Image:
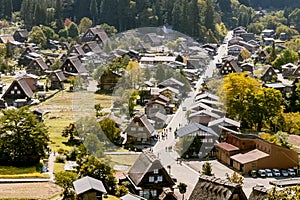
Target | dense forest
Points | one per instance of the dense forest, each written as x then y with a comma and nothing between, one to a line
197,18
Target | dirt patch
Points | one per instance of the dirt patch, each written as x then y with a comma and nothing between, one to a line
45,190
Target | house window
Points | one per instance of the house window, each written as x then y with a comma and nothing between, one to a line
151,179
12,92
227,64
155,171
140,129
210,140
133,129
159,179
153,193
15,88
204,140
18,92
155,106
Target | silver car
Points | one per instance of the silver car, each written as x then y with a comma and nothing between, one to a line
268,173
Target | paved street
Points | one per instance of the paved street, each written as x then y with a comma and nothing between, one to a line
164,148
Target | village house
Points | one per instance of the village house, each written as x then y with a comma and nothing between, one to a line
247,67
73,67
290,70
171,82
269,75
246,152
18,93
76,50
140,131
37,67
160,120
95,34
229,66
203,117
224,125
88,188
152,107
21,35
262,56
6,38
205,135
210,188
92,46
57,79
148,177
153,39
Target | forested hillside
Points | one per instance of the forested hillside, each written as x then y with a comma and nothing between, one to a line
201,19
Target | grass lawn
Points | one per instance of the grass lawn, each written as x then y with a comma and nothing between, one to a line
110,197
66,108
59,167
127,160
20,172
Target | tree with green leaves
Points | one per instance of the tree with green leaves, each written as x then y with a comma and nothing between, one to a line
287,56
94,10
182,189
23,139
37,36
93,167
73,31
85,24
58,15
110,129
206,169
65,180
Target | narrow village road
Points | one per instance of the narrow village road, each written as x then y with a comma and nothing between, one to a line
164,148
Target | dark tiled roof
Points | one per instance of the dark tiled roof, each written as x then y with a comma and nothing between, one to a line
212,188
77,64
171,82
78,50
60,75
23,33
268,69
161,116
146,122
146,162
193,127
259,193
88,183
93,46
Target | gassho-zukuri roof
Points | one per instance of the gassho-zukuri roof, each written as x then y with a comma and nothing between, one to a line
249,156
88,183
212,188
194,127
130,196
146,162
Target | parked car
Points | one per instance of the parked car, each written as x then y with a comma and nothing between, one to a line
284,173
276,172
261,173
253,173
291,172
268,172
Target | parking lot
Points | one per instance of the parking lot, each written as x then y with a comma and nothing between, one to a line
220,170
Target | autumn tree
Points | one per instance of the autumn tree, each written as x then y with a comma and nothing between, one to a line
23,139
235,178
